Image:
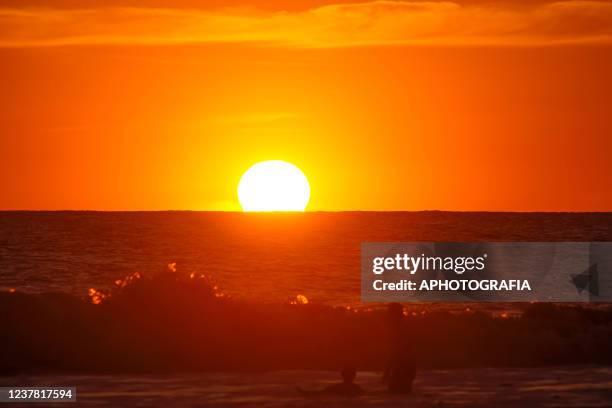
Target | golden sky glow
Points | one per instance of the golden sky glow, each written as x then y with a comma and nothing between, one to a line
385,105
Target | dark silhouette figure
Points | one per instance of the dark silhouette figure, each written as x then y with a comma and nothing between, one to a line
347,388
401,366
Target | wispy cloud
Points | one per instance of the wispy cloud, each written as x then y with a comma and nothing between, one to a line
341,25
256,118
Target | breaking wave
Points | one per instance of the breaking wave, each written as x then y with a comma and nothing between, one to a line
177,321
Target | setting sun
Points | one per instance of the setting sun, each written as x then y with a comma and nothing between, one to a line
273,185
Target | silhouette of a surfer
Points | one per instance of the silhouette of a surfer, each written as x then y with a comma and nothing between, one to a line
347,388
401,366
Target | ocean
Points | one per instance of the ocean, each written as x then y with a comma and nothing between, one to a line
262,257
226,292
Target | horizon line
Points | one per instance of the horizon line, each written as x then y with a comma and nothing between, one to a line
306,212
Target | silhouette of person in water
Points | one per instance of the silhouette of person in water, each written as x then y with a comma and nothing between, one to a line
347,388
401,367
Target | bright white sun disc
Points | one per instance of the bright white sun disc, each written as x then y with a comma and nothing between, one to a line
273,185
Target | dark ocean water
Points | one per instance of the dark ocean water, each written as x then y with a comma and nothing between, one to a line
268,257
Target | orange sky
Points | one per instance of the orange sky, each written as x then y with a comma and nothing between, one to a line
388,105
